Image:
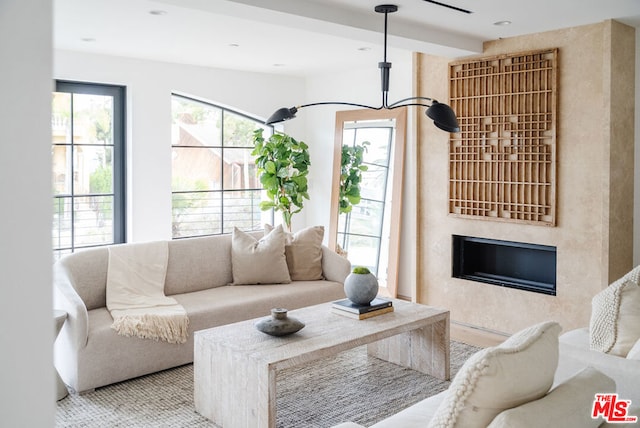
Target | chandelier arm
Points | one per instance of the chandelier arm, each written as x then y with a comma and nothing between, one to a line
397,103
340,103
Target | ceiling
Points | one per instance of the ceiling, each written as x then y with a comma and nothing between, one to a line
305,37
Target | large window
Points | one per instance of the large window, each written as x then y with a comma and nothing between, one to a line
88,166
214,179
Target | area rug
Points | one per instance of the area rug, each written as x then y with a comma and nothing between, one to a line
350,386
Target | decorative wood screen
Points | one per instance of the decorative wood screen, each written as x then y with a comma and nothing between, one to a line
502,163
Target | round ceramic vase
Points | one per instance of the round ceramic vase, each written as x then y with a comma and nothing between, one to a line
279,324
361,288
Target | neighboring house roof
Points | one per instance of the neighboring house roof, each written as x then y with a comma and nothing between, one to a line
208,135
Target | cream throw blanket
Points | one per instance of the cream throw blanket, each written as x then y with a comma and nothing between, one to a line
135,294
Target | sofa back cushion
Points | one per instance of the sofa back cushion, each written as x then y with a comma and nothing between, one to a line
198,264
494,379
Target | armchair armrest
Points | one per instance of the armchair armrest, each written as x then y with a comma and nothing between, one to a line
65,297
334,266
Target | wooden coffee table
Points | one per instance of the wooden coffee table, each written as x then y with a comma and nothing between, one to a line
235,365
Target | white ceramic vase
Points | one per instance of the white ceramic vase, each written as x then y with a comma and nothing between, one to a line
361,288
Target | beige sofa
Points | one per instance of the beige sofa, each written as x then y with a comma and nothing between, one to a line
575,354
90,354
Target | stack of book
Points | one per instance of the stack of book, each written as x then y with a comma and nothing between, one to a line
349,309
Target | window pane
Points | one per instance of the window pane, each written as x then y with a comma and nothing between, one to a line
238,130
196,214
242,210
378,150
374,181
93,169
239,170
92,119
61,230
348,136
196,169
61,169
363,251
61,118
93,220
366,218
195,124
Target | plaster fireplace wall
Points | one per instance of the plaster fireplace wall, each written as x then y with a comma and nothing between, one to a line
595,152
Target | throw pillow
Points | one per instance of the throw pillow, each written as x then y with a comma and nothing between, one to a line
259,261
568,405
634,353
517,371
303,251
615,316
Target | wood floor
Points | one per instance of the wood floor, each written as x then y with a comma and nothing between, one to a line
464,333
474,336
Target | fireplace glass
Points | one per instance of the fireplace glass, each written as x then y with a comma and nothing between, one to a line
524,266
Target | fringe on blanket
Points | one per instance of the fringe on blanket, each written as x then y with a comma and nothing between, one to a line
170,328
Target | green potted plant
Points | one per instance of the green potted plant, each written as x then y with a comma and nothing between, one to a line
282,164
351,175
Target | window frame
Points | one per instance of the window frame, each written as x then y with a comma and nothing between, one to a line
118,93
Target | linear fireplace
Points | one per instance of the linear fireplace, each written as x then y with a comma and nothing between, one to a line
518,265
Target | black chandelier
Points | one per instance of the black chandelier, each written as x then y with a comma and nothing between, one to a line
441,114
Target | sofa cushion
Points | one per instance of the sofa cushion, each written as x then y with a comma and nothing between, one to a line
259,261
615,316
303,251
568,405
517,371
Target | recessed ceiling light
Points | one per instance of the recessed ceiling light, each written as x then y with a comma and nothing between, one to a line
88,39
502,23
234,45
158,12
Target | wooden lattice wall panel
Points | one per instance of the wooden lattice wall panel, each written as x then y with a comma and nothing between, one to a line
502,163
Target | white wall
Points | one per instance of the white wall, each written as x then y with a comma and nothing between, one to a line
149,87
26,318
